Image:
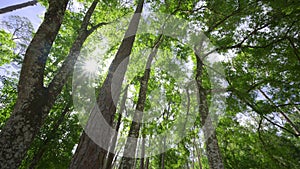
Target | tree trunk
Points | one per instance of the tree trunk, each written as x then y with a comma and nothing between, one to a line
187,165
147,163
163,155
18,6
198,153
111,155
142,161
212,148
148,158
130,146
30,109
163,159
88,154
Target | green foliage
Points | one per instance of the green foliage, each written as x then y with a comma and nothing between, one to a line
7,47
260,39
58,136
8,97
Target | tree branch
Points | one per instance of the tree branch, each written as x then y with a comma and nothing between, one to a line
294,48
93,28
18,6
254,108
64,72
281,112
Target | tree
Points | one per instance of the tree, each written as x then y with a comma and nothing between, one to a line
20,129
212,147
88,154
18,6
130,146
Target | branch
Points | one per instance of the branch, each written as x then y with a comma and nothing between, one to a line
287,104
281,112
223,20
38,50
294,48
93,28
64,72
254,108
240,44
88,15
248,103
18,6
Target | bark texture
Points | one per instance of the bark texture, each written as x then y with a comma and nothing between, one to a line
212,147
32,104
18,6
88,154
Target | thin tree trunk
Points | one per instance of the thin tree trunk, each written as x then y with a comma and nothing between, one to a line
111,155
198,153
31,106
187,165
39,154
193,163
163,156
18,6
142,161
130,146
164,138
66,70
147,163
212,148
88,154
115,160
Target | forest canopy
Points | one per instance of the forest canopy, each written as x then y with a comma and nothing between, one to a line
150,84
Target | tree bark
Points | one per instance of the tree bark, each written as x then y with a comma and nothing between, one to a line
30,110
88,154
34,100
111,155
212,147
130,146
147,163
18,6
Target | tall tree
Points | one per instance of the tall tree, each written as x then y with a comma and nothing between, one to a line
20,129
111,155
130,145
88,154
212,147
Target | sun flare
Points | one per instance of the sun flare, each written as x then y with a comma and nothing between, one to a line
90,66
